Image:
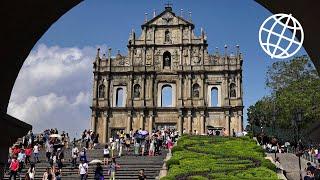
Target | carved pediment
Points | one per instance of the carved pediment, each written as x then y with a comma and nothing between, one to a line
167,18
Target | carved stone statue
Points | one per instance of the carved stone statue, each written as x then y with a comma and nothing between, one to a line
167,61
136,93
233,90
196,90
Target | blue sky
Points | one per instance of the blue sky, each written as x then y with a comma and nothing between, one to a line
109,22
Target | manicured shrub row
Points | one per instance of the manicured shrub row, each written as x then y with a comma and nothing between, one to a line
204,157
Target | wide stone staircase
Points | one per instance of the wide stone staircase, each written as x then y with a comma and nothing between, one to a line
130,166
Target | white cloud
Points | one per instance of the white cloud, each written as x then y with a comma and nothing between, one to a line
53,88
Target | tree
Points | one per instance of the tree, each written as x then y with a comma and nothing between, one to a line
294,85
282,73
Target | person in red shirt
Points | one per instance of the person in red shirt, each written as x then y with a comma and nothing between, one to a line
28,152
14,166
15,150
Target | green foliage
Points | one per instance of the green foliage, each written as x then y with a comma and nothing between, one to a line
295,85
282,73
203,157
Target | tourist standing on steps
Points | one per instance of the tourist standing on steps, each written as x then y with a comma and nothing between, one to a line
169,144
106,154
47,175
127,143
60,157
83,170
121,144
152,146
83,155
142,176
32,171
98,172
21,159
74,154
28,152
113,148
14,166
112,169
48,147
36,150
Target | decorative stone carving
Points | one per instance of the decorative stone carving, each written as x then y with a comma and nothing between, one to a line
148,58
136,93
167,18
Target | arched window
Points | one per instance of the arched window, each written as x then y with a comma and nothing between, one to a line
101,91
214,97
166,96
166,59
196,90
136,91
167,36
119,98
233,92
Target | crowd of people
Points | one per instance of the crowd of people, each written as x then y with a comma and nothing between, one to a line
135,143
25,154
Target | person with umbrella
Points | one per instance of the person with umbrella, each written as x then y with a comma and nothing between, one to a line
98,172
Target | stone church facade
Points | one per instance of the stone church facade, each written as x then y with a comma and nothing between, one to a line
167,80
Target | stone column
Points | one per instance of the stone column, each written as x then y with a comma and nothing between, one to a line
150,123
105,128
142,120
130,90
202,128
151,90
227,116
202,90
93,121
129,124
189,122
190,34
189,56
179,89
180,123
181,56
189,90
95,88
107,92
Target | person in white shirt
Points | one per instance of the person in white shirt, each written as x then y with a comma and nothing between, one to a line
36,153
106,154
83,170
31,172
74,154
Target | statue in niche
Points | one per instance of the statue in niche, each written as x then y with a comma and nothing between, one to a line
196,89
167,61
233,90
136,91
167,38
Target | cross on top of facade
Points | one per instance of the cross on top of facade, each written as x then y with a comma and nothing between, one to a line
168,5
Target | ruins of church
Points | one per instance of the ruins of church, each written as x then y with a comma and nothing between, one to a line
167,80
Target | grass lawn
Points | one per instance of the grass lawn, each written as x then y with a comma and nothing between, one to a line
204,157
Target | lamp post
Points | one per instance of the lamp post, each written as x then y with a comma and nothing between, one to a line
298,120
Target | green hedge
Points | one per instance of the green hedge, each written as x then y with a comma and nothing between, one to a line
204,157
